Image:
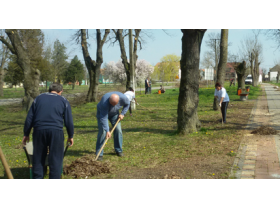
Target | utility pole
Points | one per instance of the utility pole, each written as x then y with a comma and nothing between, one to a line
132,70
216,65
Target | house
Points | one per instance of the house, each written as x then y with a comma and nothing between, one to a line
230,72
273,73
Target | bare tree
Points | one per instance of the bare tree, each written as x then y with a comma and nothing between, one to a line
213,43
275,35
187,118
251,52
93,66
120,34
31,75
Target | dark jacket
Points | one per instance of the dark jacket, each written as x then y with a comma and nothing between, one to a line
49,111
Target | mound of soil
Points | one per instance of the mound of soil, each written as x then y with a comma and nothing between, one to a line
264,130
85,167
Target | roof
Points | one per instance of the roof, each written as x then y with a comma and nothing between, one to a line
275,68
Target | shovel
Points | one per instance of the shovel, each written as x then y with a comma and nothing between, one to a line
107,140
5,164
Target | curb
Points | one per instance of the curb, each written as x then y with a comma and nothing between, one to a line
236,169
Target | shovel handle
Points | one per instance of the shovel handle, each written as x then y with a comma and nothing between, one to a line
107,139
5,164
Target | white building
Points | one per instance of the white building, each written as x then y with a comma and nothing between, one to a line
209,74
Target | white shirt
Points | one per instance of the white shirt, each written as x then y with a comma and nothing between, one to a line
222,93
130,95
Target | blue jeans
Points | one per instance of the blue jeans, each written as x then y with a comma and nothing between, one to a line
118,137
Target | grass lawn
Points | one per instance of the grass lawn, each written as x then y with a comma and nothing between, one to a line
151,146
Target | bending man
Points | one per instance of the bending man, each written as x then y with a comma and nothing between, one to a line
108,108
46,116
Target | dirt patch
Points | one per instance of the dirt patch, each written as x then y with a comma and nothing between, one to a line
86,167
212,167
264,130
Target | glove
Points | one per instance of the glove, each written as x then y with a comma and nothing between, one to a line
220,104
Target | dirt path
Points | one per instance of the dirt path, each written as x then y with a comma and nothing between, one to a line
258,156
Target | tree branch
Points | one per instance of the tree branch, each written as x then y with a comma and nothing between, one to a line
107,31
4,41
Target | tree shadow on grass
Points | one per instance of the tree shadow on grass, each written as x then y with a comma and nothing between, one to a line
78,153
11,122
18,173
148,130
90,129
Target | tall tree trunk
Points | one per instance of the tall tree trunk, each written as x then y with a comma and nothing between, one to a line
2,63
222,63
187,119
1,81
120,38
240,69
256,71
92,66
252,67
31,75
241,81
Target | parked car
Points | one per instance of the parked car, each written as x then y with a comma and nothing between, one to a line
249,80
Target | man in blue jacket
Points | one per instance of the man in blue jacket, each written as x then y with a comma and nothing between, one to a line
108,108
46,116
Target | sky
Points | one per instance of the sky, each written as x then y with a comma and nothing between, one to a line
161,43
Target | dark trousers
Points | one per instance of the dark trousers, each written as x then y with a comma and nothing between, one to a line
54,139
130,108
146,90
224,110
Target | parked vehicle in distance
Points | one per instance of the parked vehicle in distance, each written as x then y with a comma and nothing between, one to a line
249,80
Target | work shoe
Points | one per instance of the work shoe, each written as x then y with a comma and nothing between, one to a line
120,154
100,158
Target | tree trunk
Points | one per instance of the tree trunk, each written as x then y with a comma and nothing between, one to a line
187,119
256,71
120,38
240,69
92,66
31,75
223,57
3,61
1,81
252,67
222,63
241,81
